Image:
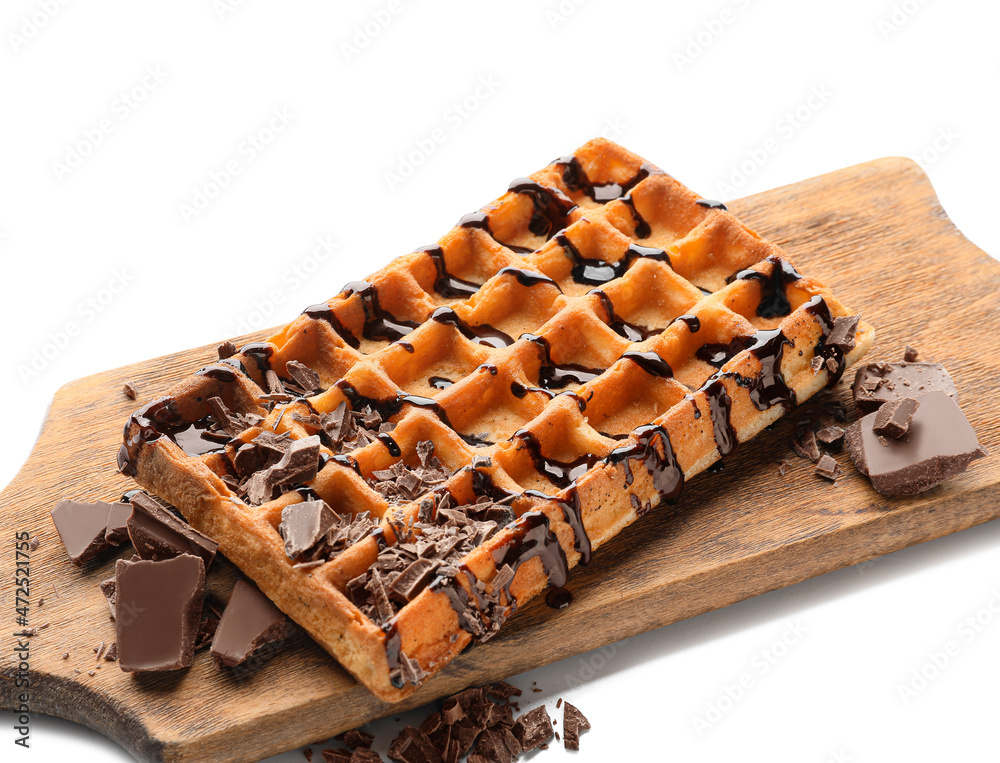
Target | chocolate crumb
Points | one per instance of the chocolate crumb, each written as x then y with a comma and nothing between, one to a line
308,753
805,446
558,703
782,468
533,728
831,436
112,654
910,354
33,545
65,655
227,349
129,389
828,468
816,363
573,723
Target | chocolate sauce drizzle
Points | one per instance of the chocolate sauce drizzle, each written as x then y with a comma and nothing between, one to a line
439,382
323,312
477,219
574,518
770,387
630,331
554,375
660,462
378,325
717,355
533,537
693,322
711,204
650,362
150,422
719,408
527,278
597,272
820,310
483,334
560,473
551,206
773,288
447,285
576,180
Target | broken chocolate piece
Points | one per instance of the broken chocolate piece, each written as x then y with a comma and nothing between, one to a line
893,419
828,467
82,528
573,723
831,436
842,336
108,589
805,445
340,755
304,524
249,623
355,739
878,383
533,728
117,526
910,354
938,444
158,534
413,746
158,612
129,389
227,349
303,375
299,463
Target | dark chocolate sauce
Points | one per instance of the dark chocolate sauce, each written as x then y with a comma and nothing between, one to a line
693,322
711,204
379,325
483,334
773,288
406,346
630,331
479,220
574,518
551,206
660,462
820,310
769,388
483,484
322,312
559,598
533,537
440,382
491,367
650,362
642,228
152,421
260,353
553,375
391,445
527,277
596,272
717,355
349,461
560,473
576,180
447,285
719,407
218,372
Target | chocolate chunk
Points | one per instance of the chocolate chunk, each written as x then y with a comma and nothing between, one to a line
805,445
299,463
227,349
412,580
129,389
831,436
573,723
828,467
533,728
893,419
82,528
910,354
878,383
355,738
303,375
158,612
249,623
304,524
498,745
843,333
502,691
340,755
938,444
158,534
108,589
117,527
362,755
413,746
112,654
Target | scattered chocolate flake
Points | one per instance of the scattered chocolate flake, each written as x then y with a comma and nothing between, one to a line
413,746
33,545
893,419
157,534
308,753
307,379
783,465
910,354
831,436
533,728
111,655
558,704
817,363
828,467
65,655
340,755
805,446
227,349
573,723
129,389
304,524
355,738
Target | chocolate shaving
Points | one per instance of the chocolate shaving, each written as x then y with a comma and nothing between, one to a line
307,379
573,723
842,336
828,467
910,354
805,446
130,390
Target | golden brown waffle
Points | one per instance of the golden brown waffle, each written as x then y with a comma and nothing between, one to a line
598,332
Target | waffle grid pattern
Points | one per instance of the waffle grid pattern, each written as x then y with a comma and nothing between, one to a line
622,323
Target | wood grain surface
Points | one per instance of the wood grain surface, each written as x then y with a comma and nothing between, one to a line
875,233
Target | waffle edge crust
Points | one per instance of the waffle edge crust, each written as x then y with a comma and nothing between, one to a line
608,336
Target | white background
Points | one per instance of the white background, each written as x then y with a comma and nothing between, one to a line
697,88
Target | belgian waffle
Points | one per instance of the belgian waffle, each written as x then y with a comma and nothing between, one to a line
574,351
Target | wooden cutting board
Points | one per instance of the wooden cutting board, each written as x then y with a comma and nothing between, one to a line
875,233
